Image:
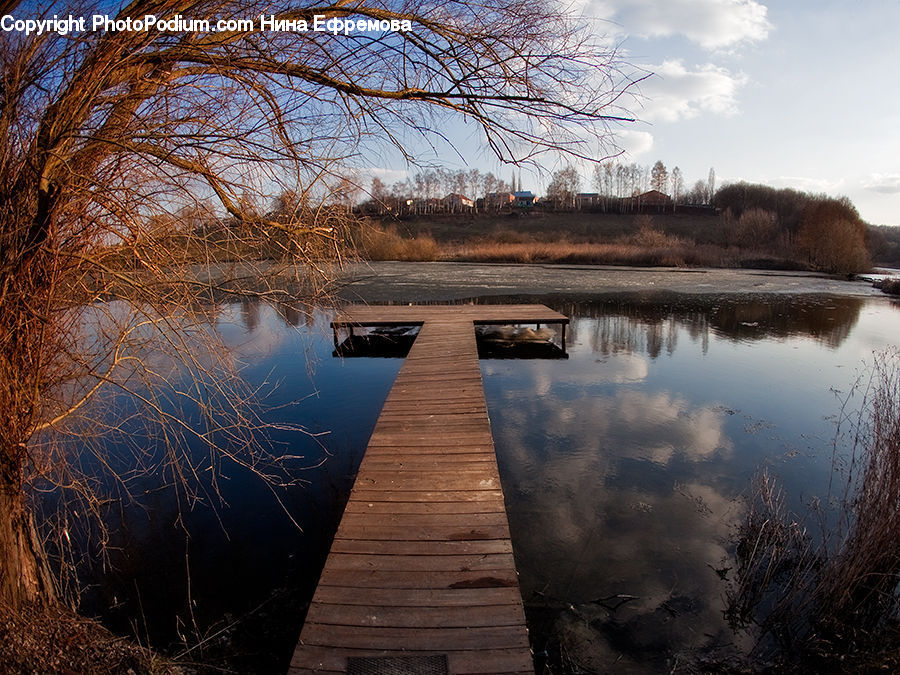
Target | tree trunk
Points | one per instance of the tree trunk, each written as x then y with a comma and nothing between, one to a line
24,570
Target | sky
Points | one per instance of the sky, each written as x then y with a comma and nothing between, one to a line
801,94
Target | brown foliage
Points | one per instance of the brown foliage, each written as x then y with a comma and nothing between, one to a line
55,640
757,229
377,243
833,237
104,136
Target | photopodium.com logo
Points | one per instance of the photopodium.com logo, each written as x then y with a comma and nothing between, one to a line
178,24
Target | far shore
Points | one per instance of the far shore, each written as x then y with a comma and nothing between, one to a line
447,281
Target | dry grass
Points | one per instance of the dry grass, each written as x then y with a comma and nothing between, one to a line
384,243
647,247
566,252
56,640
890,286
586,239
833,599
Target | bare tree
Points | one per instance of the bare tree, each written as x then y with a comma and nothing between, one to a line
659,177
473,183
699,194
103,133
757,229
563,186
677,185
833,237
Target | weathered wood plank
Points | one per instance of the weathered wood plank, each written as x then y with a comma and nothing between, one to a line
451,496
495,661
461,508
435,461
428,639
441,597
422,561
415,617
418,579
460,532
421,548
359,519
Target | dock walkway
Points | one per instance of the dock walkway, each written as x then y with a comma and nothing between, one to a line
421,576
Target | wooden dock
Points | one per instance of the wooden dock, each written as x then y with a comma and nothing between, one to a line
420,577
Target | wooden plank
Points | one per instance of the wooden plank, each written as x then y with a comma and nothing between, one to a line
431,461
495,661
389,481
458,532
421,548
415,617
411,479
430,451
450,496
446,443
422,560
429,407
420,639
407,579
451,520
461,508
442,597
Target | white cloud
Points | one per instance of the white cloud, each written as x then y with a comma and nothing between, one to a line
885,183
674,92
634,143
713,24
387,175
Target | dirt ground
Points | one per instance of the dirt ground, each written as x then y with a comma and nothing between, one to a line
56,640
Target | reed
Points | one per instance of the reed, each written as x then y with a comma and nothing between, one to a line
384,243
890,286
670,254
832,599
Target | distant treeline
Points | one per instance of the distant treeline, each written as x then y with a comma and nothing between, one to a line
884,245
824,232
616,189
744,225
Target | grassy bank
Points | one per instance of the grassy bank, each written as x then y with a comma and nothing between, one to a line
56,640
573,238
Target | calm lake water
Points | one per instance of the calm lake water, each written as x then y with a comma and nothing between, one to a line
625,469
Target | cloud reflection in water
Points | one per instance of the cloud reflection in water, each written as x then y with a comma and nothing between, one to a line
620,477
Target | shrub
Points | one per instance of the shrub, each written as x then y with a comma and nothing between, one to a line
757,229
890,286
833,237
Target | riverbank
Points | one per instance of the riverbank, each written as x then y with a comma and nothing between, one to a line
737,236
49,640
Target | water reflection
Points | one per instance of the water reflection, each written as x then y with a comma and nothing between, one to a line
623,468
651,323
606,499
184,563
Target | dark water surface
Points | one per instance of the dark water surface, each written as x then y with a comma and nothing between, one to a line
625,470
